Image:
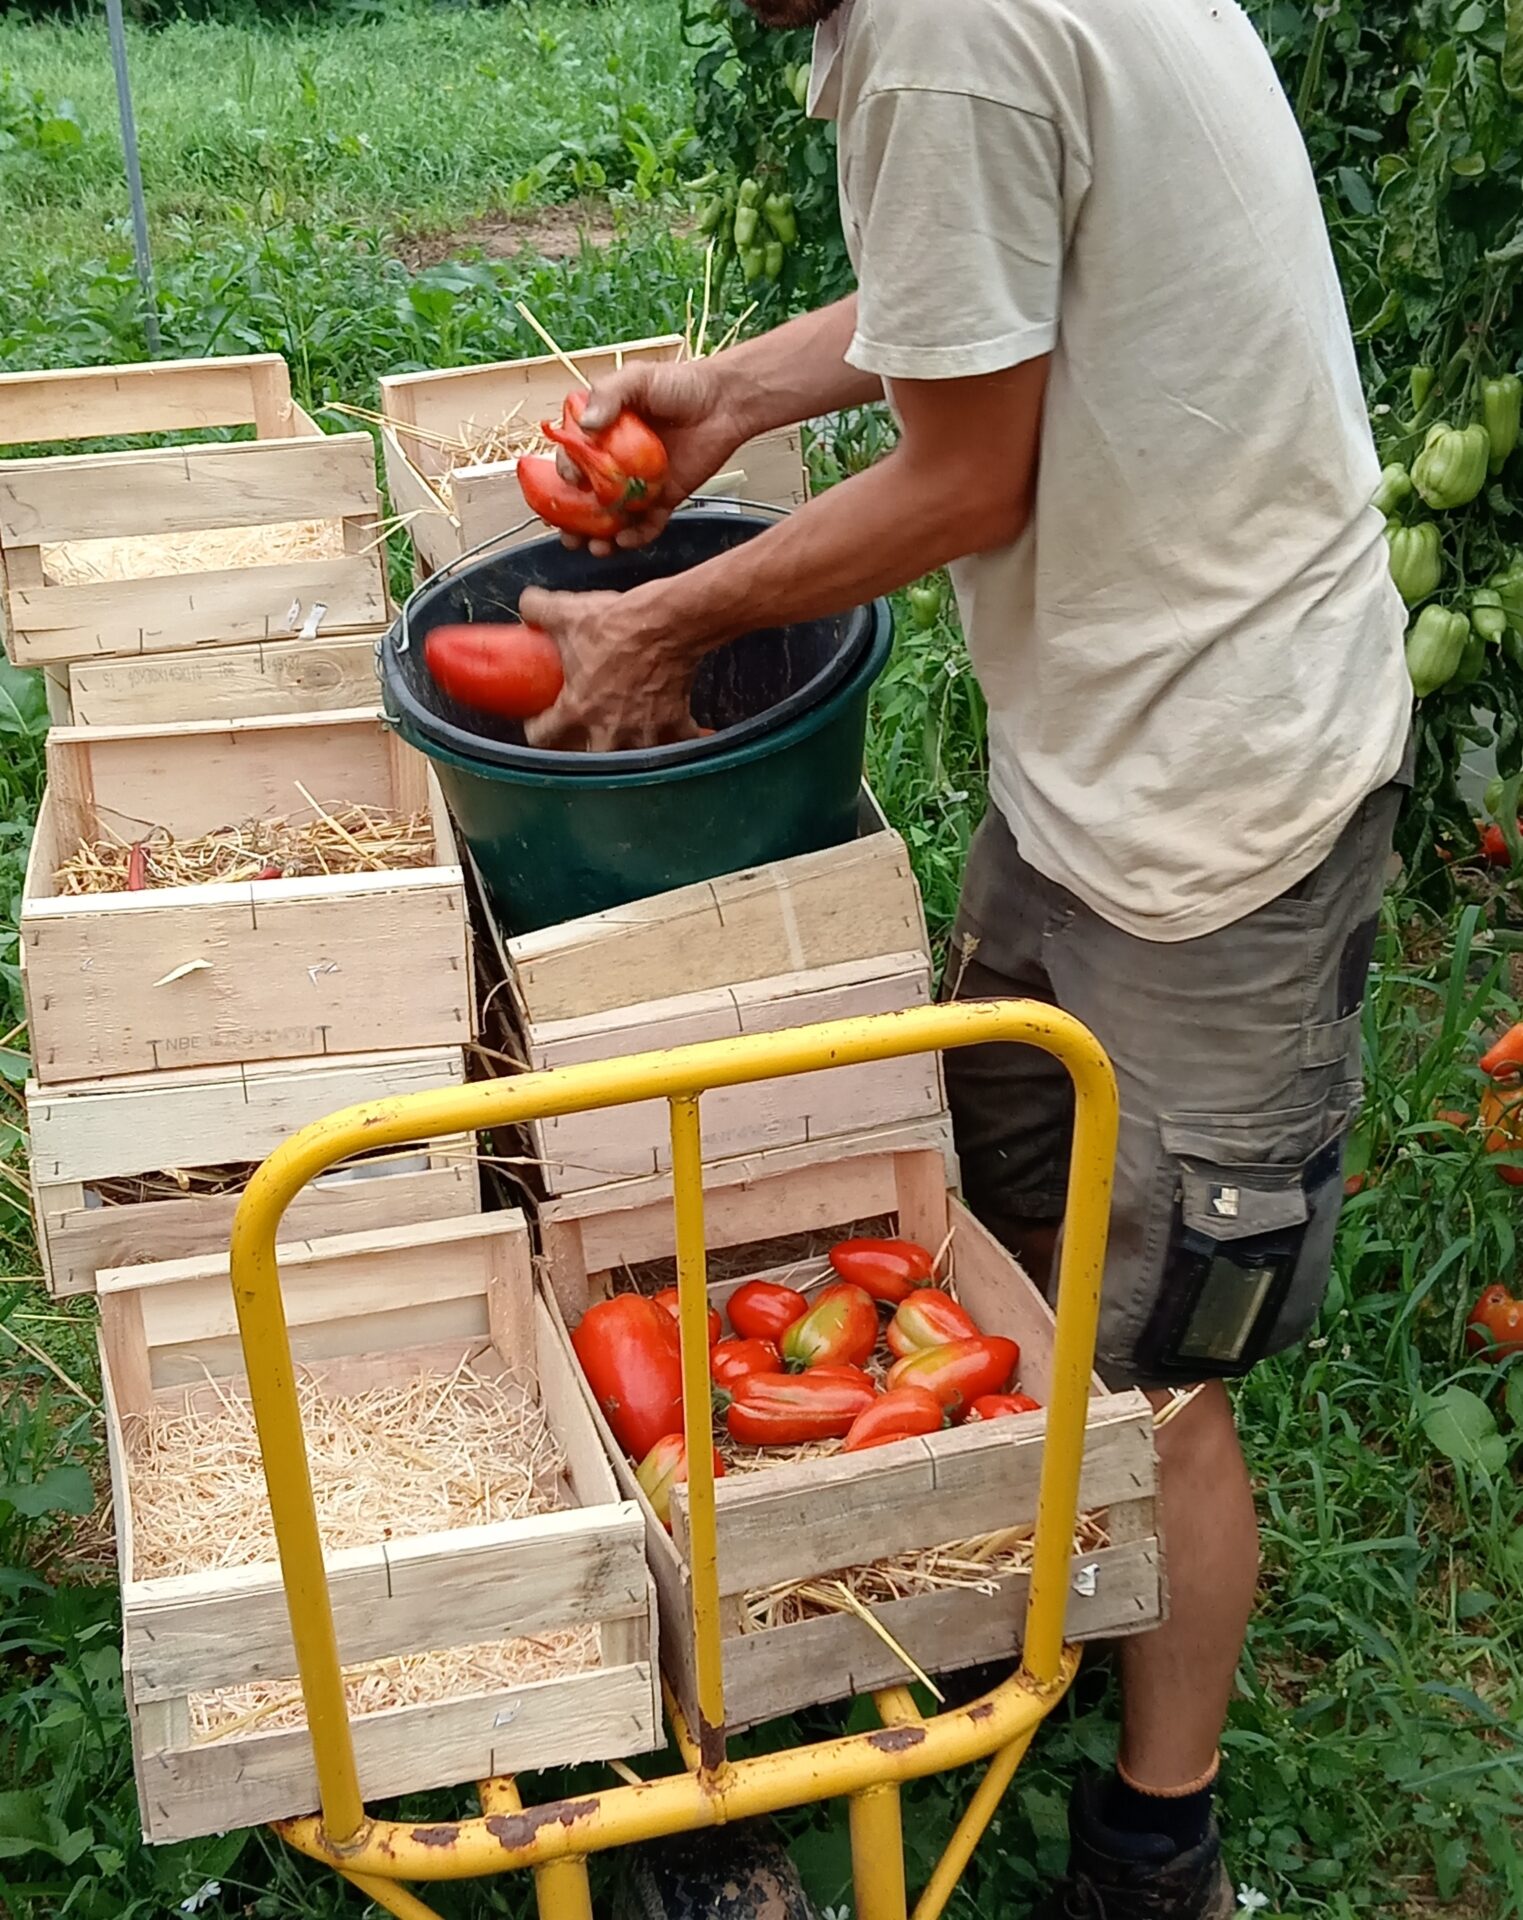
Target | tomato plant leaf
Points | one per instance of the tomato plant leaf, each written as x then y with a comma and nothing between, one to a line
59,1490
1512,50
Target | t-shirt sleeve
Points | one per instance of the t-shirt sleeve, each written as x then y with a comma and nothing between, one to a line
957,203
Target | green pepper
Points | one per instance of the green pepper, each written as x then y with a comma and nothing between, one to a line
710,213
1421,382
1487,614
925,605
1435,648
778,208
772,259
750,193
745,226
753,262
1395,488
705,181
1417,560
1502,410
1451,469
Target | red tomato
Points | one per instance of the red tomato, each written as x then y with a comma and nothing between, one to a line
671,1300
841,1328
732,1360
1502,1117
786,1409
631,1356
512,671
902,1414
997,1406
1495,1325
763,1310
887,1269
665,1467
960,1372
929,1318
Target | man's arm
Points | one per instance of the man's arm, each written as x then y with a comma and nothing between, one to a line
798,370
961,480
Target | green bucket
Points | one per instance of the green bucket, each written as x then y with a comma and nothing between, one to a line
557,835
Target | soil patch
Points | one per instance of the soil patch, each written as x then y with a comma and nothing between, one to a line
551,233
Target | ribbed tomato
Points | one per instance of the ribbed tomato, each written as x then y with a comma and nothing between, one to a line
665,1467
841,1328
929,1318
887,1269
960,1372
786,1409
904,1413
732,1360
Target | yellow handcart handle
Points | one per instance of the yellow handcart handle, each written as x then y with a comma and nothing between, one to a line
715,1790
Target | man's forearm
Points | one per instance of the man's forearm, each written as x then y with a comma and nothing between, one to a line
798,370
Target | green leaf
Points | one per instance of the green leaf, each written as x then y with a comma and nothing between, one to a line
1356,190
14,1066
1514,1397
1449,1864
1460,1425
23,701
60,1490
1472,19
1512,50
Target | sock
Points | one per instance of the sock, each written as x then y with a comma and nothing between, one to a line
1181,1814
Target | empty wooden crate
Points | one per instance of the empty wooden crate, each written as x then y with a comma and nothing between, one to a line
946,1519
491,1598
150,1167
193,541
450,438
257,967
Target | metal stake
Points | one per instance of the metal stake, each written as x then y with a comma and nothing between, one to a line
134,175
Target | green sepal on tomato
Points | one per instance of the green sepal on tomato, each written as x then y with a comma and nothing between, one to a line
629,1351
928,1318
840,1329
890,1270
499,667
665,1467
961,1371
903,1413
732,1360
765,1309
788,1409
669,1299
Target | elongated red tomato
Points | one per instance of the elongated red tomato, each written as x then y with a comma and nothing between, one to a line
764,1310
511,670
665,1467
624,462
960,1372
732,1360
904,1413
631,1356
929,1318
840,1328
671,1300
999,1406
786,1409
887,1269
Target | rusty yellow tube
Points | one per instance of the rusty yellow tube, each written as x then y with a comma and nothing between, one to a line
877,1852
387,1895
343,1833
970,1829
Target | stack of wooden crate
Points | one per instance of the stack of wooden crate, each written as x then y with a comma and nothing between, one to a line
206,612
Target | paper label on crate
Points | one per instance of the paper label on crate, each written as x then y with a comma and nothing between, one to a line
1086,1580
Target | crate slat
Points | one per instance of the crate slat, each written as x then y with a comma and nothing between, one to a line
225,683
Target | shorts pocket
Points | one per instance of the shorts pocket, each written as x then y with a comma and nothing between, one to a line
1256,1203
1333,1043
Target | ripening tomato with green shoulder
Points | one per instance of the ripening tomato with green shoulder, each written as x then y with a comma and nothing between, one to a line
904,1413
629,1351
890,1270
1000,1406
665,1467
670,1300
929,1318
840,1328
787,1409
961,1371
732,1360
765,1309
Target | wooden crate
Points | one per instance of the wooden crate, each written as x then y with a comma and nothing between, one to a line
798,1522
369,1310
291,473
259,970
219,683
480,501
92,1140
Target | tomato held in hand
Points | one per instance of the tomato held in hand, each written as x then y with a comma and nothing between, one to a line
670,1299
929,1318
665,1467
764,1310
841,1328
887,1269
786,1409
960,1372
732,1360
999,1406
905,1413
510,670
630,1353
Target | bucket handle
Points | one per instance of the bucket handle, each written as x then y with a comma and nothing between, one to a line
693,503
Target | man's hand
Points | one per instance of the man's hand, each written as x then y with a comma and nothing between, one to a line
626,685
692,406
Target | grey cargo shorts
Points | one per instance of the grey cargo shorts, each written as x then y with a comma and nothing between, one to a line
1238,1060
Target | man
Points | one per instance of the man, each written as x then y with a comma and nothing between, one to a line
1094,285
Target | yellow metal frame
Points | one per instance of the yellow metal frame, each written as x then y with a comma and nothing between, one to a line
554,1840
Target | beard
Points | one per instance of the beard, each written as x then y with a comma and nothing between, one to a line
793,13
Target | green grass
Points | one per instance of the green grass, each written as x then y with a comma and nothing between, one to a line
1374,1766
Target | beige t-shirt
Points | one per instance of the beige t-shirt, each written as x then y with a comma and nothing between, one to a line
1193,655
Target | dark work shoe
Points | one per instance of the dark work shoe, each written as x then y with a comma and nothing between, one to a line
1131,1876
732,1873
